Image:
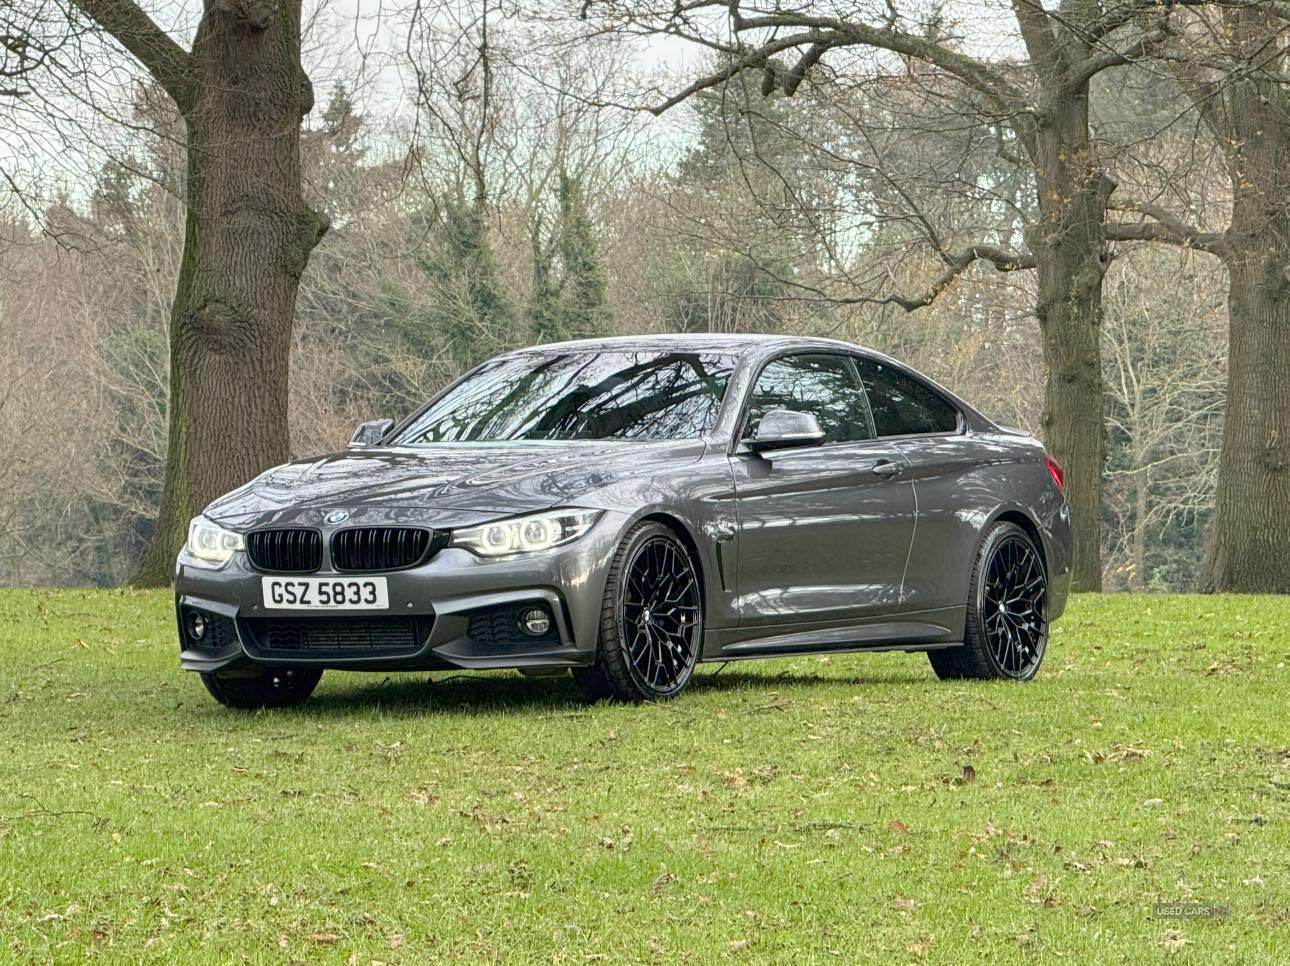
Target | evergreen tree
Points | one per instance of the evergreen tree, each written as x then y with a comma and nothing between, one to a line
543,311
469,315
741,183
568,297
584,285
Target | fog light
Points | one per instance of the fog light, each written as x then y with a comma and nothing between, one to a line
535,621
196,625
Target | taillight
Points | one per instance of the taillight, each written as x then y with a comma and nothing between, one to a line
1055,471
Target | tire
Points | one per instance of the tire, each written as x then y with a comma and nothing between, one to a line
1007,612
651,627
267,688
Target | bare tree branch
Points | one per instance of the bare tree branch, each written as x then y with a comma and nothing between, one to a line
839,32
1142,47
1036,31
959,262
138,33
1166,227
756,58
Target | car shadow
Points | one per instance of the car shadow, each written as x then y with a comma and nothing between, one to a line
487,694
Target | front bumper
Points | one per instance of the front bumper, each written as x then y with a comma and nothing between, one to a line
439,599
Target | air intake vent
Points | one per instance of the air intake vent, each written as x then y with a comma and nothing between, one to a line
500,626
345,636
382,548
287,551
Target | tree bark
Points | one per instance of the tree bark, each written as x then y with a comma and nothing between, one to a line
247,240
1250,549
1069,247
1251,540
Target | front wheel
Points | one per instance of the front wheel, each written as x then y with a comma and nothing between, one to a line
1007,614
264,688
651,620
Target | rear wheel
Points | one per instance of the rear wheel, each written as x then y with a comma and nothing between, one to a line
1007,614
265,688
651,620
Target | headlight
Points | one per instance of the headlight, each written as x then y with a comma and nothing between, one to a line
212,543
541,531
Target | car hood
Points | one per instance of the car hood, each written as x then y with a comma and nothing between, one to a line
445,485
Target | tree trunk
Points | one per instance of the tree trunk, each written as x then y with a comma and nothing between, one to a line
1251,540
247,239
1069,247
1251,537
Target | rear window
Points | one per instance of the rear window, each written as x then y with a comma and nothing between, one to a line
903,406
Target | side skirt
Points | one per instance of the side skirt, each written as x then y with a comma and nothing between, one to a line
810,649
906,633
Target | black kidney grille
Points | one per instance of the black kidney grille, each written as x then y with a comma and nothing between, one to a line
348,635
379,548
286,551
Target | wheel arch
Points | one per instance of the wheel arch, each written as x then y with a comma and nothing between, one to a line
1022,519
682,531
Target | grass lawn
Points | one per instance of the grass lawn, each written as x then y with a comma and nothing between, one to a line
846,808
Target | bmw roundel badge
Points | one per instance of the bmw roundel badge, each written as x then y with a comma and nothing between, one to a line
337,516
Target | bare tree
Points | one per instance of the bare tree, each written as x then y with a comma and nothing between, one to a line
1164,361
242,92
1042,103
1233,64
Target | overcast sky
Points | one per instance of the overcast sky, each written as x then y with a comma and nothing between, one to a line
362,43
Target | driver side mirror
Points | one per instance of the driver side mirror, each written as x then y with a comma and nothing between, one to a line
370,433
785,429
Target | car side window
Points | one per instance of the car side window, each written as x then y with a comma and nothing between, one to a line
903,406
821,384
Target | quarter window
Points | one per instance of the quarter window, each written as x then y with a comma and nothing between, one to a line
821,384
903,406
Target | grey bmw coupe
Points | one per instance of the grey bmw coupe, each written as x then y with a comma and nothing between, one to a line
625,508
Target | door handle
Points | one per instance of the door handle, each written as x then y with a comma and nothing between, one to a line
887,469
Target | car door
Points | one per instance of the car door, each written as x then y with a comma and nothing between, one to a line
823,531
927,429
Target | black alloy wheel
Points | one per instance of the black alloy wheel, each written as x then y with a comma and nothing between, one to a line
651,629
1007,614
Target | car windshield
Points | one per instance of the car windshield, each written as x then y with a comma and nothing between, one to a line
579,395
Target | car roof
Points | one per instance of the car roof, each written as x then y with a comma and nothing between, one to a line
735,343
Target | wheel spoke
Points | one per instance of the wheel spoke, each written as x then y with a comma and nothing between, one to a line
1012,596
660,615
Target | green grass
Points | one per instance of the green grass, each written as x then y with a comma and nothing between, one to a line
794,810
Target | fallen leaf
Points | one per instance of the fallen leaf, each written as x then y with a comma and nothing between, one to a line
1172,940
896,825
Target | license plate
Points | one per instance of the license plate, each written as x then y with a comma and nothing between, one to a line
325,593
